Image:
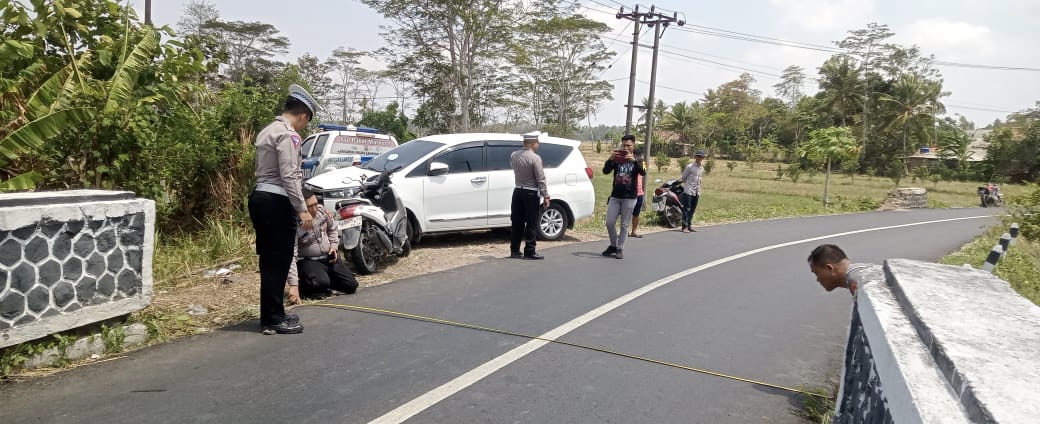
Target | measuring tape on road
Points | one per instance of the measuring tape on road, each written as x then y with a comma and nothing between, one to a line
577,345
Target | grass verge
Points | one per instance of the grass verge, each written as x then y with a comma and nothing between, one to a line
1020,267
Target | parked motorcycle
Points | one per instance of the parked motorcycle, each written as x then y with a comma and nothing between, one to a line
989,196
666,202
374,225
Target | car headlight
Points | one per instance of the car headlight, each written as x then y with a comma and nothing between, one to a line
343,193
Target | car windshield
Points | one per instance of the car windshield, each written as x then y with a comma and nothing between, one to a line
407,153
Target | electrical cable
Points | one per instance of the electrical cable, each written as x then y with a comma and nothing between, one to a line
378,311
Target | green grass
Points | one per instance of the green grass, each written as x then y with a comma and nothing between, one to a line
742,194
177,257
1020,267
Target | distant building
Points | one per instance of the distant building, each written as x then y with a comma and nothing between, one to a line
977,150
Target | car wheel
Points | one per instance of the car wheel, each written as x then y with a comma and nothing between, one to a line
552,224
365,254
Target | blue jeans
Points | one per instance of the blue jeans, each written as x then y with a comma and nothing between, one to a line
689,206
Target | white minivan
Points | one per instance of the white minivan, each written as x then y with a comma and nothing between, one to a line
459,182
338,146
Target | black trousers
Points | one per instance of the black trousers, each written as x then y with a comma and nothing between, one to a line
275,222
524,215
318,277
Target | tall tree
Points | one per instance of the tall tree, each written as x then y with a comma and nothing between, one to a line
840,87
197,13
684,119
316,72
914,98
790,86
248,48
830,145
557,62
450,51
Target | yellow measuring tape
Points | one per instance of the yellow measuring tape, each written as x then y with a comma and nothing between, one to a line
527,336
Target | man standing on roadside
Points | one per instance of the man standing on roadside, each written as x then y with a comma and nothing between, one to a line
691,178
276,207
622,200
529,177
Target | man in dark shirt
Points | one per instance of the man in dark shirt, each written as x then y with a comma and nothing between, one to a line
622,200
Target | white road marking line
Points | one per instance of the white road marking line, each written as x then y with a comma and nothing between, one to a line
421,403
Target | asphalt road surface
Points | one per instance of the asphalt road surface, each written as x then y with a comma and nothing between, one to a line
736,299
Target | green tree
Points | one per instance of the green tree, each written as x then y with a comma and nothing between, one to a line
840,87
390,121
914,98
557,61
829,145
683,119
790,85
450,51
247,48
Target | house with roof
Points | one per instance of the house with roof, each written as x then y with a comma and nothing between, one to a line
976,150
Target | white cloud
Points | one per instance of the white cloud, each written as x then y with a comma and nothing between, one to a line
951,40
825,15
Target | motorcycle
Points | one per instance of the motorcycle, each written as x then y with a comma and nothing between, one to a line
989,196
666,202
374,225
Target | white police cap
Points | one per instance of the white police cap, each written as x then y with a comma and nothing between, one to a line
533,135
302,95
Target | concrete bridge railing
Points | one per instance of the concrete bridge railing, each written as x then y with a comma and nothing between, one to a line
72,258
932,343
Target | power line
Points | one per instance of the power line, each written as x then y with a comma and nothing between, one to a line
675,89
982,109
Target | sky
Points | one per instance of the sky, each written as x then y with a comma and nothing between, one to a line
979,32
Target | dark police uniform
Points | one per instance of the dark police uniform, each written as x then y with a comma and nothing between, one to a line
274,208
526,204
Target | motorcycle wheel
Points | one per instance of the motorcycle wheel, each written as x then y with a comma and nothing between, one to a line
672,217
365,255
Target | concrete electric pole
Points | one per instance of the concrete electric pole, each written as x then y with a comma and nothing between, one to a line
659,22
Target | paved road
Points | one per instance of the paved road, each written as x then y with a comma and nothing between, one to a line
760,316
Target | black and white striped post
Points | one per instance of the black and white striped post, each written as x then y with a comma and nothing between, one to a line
1005,243
993,258
1014,232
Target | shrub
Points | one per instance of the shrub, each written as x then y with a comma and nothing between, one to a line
661,161
794,171
682,161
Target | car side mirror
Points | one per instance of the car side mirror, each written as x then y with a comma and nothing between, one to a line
437,168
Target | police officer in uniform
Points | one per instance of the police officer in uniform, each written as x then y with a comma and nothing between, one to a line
530,186
276,207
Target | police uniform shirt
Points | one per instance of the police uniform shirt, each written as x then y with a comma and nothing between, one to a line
278,160
316,242
527,170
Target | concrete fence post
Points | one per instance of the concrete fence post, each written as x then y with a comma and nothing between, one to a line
1014,232
993,258
1005,243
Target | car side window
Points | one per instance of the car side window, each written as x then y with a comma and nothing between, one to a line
463,160
553,155
319,146
305,149
499,154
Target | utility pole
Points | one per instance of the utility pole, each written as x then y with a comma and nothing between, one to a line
660,22
148,12
635,17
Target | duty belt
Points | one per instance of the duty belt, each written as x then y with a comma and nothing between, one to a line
271,188
315,258
527,188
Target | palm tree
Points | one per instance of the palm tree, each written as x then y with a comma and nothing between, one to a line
831,145
914,97
681,119
841,85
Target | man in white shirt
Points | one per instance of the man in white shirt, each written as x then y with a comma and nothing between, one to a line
691,178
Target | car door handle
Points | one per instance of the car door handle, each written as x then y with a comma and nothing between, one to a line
479,180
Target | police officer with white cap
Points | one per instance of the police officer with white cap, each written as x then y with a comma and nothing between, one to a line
530,186
276,207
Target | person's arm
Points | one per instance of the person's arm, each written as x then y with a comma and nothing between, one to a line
288,149
608,166
332,231
685,173
539,178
